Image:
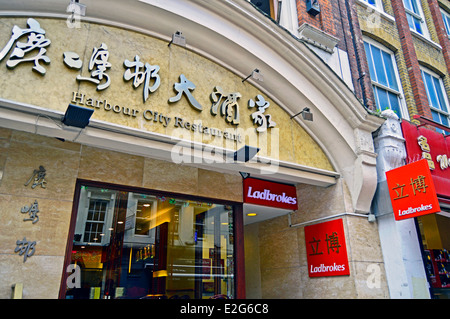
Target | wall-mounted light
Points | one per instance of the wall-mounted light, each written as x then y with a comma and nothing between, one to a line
256,75
313,7
244,175
306,114
245,153
178,39
77,116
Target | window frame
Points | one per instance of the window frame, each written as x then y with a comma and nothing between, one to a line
440,111
400,95
417,15
90,197
101,207
446,19
238,228
378,4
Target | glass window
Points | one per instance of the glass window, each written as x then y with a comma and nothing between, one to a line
384,77
437,98
95,220
265,6
414,16
446,18
376,3
133,245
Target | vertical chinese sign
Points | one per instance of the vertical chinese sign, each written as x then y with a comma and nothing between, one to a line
412,191
326,249
421,142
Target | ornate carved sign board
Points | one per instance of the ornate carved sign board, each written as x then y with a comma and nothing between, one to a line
326,249
412,191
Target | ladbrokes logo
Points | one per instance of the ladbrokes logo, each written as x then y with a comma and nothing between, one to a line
330,268
269,196
411,210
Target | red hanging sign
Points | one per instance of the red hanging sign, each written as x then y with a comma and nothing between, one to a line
326,249
267,193
412,191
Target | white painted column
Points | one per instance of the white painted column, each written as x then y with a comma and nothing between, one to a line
400,245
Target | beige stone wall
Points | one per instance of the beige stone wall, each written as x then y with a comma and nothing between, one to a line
65,162
282,272
279,251
55,89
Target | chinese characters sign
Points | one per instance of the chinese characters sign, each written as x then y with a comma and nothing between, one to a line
38,178
24,247
326,249
29,45
432,146
35,41
411,190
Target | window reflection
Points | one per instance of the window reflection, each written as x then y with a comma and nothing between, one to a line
131,245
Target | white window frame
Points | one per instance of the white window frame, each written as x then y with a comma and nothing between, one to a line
84,202
420,16
403,107
378,4
289,16
444,93
446,19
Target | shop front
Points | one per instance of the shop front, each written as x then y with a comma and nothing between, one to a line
138,161
432,146
142,244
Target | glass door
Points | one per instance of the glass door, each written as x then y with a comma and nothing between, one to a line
134,245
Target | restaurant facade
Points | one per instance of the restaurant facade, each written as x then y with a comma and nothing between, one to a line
179,150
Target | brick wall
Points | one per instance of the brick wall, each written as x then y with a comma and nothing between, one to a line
339,19
349,20
435,13
323,21
413,51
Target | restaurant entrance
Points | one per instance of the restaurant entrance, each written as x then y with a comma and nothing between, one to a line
135,244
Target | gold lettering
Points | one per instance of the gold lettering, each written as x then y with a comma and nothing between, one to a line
77,96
